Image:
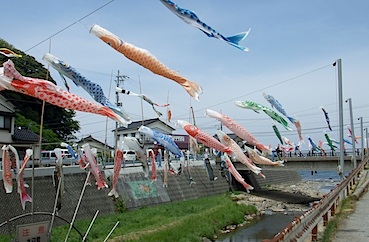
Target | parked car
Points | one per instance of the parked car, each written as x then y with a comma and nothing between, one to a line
129,155
48,158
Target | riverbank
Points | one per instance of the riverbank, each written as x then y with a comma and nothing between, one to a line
286,200
308,189
191,220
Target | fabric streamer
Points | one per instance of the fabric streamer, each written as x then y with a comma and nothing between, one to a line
191,18
258,107
146,59
92,88
144,97
275,104
45,90
326,118
9,53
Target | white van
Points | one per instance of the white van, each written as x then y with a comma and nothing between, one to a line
48,158
129,155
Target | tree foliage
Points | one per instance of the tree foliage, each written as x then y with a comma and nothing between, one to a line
58,123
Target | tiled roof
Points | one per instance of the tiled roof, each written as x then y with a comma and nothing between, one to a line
25,135
91,139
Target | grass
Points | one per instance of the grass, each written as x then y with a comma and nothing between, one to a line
189,220
345,208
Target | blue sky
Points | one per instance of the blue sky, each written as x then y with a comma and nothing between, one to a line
293,45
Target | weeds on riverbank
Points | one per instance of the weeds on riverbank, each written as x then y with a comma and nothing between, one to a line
345,208
189,220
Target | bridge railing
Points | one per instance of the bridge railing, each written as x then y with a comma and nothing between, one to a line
306,225
309,153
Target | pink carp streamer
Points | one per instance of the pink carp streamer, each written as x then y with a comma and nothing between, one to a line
169,115
203,137
11,160
50,93
237,151
118,160
237,129
153,165
236,174
299,130
166,169
93,167
7,170
145,59
261,160
24,197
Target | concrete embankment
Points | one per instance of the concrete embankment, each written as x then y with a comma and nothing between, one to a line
134,188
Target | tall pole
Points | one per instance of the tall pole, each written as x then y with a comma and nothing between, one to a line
120,79
366,137
366,141
352,131
340,119
106,124
362,138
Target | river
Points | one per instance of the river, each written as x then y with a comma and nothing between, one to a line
267,226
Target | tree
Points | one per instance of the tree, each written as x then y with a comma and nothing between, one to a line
58,122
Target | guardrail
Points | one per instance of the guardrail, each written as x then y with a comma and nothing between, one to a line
306,225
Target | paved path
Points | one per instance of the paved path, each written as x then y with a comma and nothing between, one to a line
356,226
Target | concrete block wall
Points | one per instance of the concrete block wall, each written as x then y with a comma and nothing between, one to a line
137,191
44,197
134,188
277,176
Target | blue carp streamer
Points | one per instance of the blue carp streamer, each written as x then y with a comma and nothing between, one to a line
191,18
92,88
163,139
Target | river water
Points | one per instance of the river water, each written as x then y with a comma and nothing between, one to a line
267,226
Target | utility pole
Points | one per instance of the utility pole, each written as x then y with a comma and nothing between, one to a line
362,138
221,124
340,119
366,137
352,132
120,80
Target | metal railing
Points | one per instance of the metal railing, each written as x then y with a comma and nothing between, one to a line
306,224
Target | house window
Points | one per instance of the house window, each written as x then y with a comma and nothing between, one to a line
5,122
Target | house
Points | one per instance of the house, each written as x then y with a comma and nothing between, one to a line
7,114
20,138
102,149
132,130
182,140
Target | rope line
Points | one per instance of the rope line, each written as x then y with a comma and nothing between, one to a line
70,25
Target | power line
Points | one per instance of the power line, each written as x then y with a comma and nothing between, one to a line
267,87
70,25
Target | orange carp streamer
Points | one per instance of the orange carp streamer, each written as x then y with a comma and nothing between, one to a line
146,59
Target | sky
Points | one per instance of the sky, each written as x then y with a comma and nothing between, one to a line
293,45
